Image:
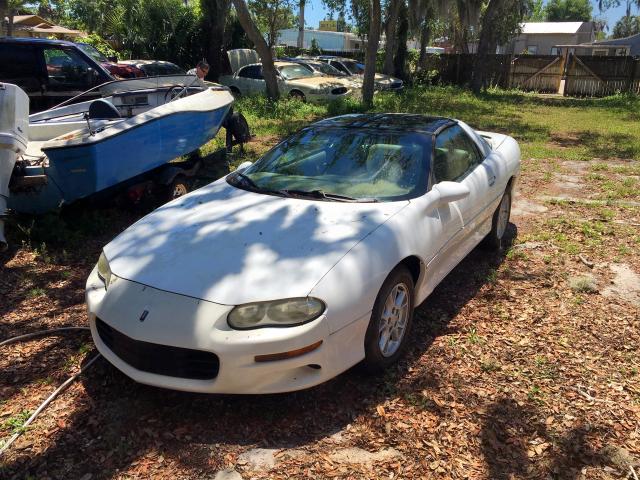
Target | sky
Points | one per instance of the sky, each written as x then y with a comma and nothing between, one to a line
315,11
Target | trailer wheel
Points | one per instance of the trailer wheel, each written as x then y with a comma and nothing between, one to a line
177,188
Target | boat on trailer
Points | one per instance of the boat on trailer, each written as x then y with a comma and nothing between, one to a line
80,149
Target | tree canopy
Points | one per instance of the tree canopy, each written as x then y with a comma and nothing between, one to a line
568,11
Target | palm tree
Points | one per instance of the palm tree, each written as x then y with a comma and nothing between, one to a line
373,40
301,24
266,57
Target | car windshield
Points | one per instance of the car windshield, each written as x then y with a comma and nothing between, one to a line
327,69
354,67
292,72
343,164
93,53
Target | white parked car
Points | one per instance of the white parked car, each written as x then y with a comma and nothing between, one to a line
289,271
294,80
355,70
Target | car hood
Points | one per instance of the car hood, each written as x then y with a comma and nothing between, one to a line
231,246
317,82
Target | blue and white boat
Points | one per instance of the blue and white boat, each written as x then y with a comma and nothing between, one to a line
81,149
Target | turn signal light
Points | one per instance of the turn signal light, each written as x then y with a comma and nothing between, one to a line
290,354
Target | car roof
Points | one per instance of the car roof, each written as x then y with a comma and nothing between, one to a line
37,41
388,121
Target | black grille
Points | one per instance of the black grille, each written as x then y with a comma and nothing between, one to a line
339,90
159,359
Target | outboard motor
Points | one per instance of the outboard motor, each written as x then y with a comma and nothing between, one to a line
14,127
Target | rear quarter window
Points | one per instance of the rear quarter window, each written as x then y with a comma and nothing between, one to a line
20,65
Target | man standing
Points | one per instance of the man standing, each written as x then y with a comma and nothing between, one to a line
201,71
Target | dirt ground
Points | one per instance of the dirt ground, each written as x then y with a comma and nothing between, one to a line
524,364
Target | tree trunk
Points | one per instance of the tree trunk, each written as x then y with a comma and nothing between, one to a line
370,54
301,25
215,13
390,32
400,59
425,38
4,7
10,24
486,43
266,57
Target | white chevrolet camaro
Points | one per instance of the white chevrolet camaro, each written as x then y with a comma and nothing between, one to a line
290,270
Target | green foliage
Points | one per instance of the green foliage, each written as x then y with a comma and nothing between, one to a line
315,48
271,16
626,26
538,13
100,43
155,29
568,11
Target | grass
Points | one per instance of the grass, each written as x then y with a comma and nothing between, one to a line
564,128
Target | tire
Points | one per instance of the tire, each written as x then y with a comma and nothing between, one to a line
235,92
495,239
177,188
381,354
298,95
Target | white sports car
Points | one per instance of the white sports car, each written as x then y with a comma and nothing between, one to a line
289,271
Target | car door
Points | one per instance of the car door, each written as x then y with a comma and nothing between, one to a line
250,80
67,74
457,159
20,65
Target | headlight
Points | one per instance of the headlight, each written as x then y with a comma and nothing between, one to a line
104,272
279,313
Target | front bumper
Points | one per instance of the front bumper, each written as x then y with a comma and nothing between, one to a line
326,97
189,323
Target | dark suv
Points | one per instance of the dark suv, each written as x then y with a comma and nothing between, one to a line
50,71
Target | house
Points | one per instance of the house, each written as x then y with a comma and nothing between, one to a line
326,40
618,46
37,27
543,38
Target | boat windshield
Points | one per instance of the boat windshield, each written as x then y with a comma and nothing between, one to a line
293,72
343,164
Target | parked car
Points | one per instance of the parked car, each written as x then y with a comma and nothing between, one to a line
117,70
152,68
356,69
324,69
290,270
50,71
294,80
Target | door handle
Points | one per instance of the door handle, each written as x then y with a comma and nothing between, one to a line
492,180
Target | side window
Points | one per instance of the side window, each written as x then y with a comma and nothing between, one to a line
19,65
339,66
455,155
252,71
66,69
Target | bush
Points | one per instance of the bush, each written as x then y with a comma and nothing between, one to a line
99,43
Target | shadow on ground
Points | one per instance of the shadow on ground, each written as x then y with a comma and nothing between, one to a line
119,420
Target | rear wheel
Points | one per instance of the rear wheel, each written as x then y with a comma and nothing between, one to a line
495,239
298,95
391,319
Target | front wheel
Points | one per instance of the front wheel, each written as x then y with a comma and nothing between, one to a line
391,319
495,239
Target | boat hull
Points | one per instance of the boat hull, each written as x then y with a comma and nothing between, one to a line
76,171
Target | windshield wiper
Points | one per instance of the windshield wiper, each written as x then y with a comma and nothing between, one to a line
248,182
327,196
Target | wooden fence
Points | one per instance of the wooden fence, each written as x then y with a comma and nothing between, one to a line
597,76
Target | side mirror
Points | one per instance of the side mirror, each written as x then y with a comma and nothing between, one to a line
451,191
92,76
113,59
244,166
